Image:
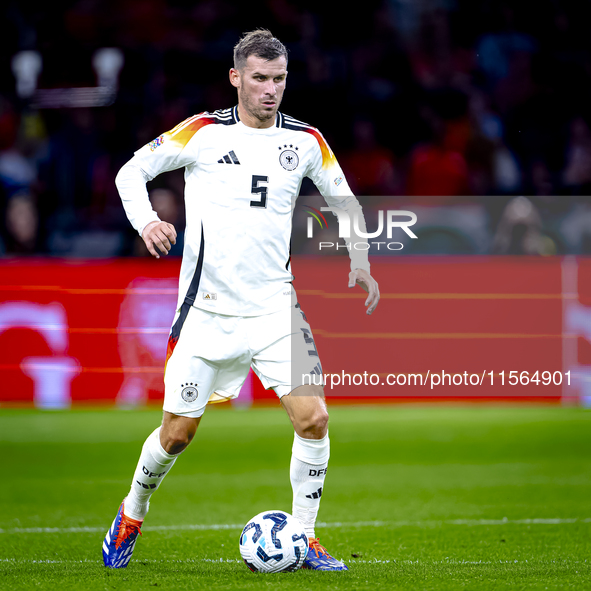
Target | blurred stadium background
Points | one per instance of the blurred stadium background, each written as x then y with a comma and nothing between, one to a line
474,115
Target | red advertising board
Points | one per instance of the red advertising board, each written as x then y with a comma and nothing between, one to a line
451,328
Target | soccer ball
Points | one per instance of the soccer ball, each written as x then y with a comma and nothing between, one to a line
273,542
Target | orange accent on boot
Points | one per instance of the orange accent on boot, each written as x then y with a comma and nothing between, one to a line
127,527
318,548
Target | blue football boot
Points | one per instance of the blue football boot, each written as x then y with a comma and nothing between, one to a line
319,559
120,540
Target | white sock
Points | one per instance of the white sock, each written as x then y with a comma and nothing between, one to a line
309,461
153,465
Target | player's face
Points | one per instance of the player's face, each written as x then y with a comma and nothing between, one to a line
260,89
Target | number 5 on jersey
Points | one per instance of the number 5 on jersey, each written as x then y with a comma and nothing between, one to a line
258,189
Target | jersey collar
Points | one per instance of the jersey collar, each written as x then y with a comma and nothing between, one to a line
278,117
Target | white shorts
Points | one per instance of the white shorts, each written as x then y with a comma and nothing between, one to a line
212,354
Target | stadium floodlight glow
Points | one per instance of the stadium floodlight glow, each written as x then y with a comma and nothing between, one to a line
107,63
71,98
26,67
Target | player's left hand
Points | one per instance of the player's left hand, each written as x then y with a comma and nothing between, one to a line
369,284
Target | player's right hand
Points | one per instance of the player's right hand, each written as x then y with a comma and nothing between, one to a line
159,237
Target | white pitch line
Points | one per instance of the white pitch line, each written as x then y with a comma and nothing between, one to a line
329,525
450,561
99,561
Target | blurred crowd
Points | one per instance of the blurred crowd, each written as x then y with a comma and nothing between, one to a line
475,113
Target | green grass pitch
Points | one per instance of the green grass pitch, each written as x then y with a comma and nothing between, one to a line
416,497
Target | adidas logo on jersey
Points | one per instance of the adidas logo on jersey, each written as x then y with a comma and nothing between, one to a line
229,158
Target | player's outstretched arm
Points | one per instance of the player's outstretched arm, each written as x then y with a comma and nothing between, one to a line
159,237
369,284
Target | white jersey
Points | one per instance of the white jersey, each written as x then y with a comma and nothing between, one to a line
241,184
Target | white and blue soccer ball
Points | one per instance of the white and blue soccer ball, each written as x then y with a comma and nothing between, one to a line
273,542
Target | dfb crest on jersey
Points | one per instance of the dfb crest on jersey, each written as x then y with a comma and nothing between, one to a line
189,393
289,159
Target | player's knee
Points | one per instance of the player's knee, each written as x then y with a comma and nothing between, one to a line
313,425
177,441
176,434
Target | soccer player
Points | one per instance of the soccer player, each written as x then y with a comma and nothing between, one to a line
237,308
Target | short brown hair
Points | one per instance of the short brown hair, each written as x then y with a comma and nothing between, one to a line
259,43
